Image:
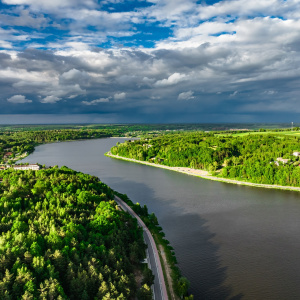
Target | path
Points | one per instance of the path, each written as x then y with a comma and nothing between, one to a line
168,272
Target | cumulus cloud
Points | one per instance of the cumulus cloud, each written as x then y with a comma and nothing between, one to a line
18,99
74,76
50,5
172,79
119,96
96,101
24,18
186,95
50,99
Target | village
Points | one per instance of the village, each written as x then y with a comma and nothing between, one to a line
9,160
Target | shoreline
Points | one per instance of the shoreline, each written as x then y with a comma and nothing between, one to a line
151,244
205,174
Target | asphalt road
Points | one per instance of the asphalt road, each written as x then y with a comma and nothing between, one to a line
159,287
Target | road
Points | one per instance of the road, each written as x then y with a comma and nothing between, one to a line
160,291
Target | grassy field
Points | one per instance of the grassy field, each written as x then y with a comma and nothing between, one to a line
291,133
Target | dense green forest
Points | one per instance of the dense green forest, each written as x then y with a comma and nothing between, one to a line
250,157
16,141
63,237
13,144
124,128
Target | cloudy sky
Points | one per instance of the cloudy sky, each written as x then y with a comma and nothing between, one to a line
150,61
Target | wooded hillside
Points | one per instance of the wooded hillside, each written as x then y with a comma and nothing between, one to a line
251,157
62,237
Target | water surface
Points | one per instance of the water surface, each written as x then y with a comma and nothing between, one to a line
231,241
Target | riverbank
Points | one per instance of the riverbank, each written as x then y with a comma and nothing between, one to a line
205,174
161,257
160,291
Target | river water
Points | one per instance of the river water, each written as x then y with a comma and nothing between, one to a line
231,242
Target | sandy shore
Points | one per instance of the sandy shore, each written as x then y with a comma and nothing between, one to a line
205,174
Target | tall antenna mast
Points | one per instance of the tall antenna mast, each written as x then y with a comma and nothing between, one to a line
292,125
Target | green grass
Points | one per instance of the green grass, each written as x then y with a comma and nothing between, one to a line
291,133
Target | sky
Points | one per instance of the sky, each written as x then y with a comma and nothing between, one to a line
156,61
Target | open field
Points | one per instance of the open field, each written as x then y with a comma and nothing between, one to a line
291,133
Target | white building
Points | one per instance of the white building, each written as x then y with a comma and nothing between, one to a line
296,153
282,160
27,167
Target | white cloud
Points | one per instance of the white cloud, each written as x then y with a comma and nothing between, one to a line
72,96
270,92
59,91
233,94
171,12
96,101
186,95
23,17
50,99
18,99
120,96
74,75
245,8
50,5
70,75
172,79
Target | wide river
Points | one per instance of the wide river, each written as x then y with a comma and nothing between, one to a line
231,242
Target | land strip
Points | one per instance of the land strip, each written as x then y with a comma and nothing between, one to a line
167,272
160,291
205,174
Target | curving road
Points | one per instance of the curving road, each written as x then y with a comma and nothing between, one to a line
160,291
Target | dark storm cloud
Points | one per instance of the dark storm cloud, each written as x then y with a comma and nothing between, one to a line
222,59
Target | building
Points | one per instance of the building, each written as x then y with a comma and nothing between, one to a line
27,167
282,160
296,153
147,145
8,154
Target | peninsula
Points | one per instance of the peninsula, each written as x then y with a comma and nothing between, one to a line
261,159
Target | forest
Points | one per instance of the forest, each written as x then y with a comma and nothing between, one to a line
259,158
13,144
17,141
63,237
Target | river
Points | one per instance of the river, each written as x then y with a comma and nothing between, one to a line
231,242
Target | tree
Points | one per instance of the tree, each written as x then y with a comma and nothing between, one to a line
148,277
182,286
144,293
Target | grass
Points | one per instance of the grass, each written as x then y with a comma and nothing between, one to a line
291,133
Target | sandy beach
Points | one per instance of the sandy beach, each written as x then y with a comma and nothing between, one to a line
205,174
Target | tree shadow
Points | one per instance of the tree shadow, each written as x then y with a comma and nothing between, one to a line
198,257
